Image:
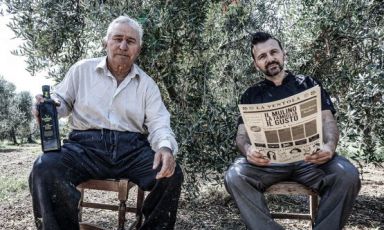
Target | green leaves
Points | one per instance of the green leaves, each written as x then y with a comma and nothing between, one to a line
198,52
15,112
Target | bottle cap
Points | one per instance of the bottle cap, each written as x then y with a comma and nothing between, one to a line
46,88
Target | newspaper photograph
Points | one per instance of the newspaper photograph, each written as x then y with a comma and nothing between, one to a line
286,130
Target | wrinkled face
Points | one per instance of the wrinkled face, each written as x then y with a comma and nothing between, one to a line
269,57
123,46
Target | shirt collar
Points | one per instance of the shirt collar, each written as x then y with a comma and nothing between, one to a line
102,67
286,79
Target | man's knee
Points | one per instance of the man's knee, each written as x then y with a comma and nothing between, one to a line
46,164
175,181
178,175
233,175
347,174
352,180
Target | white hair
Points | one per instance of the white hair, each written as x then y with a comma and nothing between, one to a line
129,21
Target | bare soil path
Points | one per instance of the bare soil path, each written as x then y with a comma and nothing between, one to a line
212,210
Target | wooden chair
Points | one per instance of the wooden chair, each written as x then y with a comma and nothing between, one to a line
293,188
122,188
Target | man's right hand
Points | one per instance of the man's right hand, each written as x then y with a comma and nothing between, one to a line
35,112
38,100
256,158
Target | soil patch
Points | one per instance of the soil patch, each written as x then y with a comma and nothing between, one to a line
214,209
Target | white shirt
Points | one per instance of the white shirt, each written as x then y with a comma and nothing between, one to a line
89,92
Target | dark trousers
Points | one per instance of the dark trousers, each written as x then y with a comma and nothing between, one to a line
336,181
100,154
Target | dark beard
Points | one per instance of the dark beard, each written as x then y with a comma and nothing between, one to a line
269,74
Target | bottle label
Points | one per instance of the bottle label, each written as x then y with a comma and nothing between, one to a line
47,124
49,127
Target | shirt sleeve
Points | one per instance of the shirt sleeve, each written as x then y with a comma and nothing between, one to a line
65,92
157,121
326,102
240,118
244,99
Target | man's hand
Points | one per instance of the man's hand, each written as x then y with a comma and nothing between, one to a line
39,99
321,156
35,112
246,149
168,164
255,157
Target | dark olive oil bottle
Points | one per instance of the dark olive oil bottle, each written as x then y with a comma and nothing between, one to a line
49,124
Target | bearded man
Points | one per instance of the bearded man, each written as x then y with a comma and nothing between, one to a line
334,178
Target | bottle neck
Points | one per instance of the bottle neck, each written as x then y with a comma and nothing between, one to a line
46,95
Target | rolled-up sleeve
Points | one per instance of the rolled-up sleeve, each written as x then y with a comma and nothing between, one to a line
157,121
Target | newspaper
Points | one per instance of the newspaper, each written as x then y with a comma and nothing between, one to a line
285,130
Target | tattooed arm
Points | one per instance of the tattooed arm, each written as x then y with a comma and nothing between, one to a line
244,145
330,137
242,140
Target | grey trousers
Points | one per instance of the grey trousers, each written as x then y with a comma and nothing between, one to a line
336,181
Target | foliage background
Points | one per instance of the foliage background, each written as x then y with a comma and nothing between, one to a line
198,52
15,115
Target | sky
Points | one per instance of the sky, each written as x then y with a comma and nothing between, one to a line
12,67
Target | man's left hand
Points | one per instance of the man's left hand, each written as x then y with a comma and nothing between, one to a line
168,164
321,156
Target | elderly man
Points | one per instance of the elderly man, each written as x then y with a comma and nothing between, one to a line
120,129
331,175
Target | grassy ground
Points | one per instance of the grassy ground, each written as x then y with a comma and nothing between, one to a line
214,209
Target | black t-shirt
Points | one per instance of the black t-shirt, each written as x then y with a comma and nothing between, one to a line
266,91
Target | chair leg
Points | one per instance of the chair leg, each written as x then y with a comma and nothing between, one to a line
122,209
80,216
139,207
123,196
313,206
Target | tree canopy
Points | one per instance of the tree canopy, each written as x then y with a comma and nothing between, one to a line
198,51
15,113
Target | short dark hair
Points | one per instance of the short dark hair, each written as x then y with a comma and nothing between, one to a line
260,37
